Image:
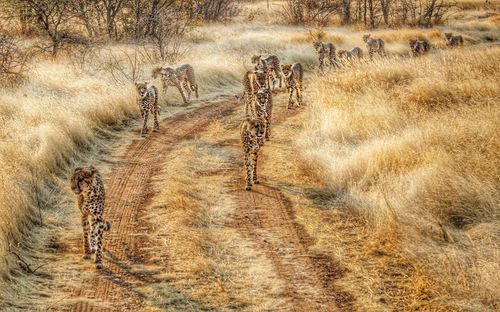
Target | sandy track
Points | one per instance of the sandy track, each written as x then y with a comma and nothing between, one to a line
264,216
128,188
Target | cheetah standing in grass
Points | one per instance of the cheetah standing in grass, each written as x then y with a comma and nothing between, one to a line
294,75
271,65
262,108
351,54
374,45
419,47
182,75
325,50
453,41
251,132
147,99
87,184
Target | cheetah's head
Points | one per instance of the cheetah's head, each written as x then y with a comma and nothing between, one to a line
286,69
142,89
317,45
256,59
262,95
260,76
366,37
81,178
257,128
448,35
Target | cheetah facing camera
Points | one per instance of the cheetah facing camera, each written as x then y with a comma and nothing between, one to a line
262,108
374,45
453,41
325,50
419,47
87,184
251,132
182,75
147,100
294,75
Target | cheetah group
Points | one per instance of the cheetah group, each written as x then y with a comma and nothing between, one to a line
267,76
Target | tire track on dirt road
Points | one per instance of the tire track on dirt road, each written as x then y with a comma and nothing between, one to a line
128,189
266,217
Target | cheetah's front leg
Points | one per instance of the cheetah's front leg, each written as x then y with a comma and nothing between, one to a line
97,229
248,167
298,90
182,94
254,168
290,97
187,89
85,226
156,124
145,124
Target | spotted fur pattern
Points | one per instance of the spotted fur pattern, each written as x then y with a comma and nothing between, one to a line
262,108
294,75
453,41
181,76
251,133
87,184
325,50
147,100
419,47
374,45
351,54
270,65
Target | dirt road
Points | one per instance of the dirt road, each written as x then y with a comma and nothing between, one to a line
264,216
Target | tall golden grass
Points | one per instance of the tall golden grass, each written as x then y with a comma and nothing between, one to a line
412,146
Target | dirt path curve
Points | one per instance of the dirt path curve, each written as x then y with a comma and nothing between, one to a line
266,217
128,188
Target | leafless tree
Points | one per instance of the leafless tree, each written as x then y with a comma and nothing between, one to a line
13,61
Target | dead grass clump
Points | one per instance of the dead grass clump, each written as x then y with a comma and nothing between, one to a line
414,149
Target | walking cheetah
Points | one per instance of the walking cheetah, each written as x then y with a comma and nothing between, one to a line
294,75
271,65
419,47
263,108
87,184
374,45
325,50
351,54
147,99
183,74
452,41
251,132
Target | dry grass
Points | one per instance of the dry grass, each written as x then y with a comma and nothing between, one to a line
415,154
391,136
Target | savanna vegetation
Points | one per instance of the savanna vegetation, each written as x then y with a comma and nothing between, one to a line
405,151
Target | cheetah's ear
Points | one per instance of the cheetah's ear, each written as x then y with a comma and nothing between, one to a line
92,170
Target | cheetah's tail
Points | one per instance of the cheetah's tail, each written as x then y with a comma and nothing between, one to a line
107,226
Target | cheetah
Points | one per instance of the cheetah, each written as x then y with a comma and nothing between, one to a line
147,100
294,75
251,132
419,47
271,65
87,184
351,54
262,108
453,41
183,74
374,45
325,50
